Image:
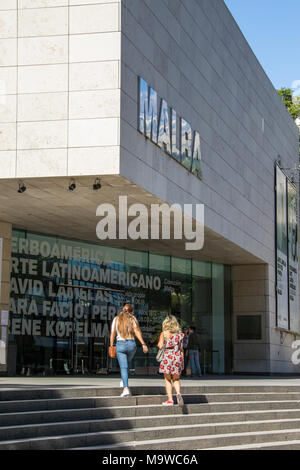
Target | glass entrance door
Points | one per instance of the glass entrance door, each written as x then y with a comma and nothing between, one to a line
90,342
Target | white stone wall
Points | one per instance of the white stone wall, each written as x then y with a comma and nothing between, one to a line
59,87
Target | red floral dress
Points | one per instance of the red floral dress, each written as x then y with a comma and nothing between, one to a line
173,362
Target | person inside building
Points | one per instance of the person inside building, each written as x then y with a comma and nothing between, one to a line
172,363
185,331
193,348
126,327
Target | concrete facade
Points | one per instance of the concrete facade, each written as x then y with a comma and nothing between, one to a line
69,73
193,54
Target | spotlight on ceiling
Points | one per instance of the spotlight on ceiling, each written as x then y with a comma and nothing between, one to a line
72,185
22,187
97,184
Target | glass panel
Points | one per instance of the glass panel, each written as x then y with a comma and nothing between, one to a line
218,339
181,290
112,256
160,263
65,294
201,269
137,259
181,266
228,319
202,317
62,303
159,305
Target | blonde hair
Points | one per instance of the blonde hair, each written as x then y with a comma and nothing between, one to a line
127,323
171,324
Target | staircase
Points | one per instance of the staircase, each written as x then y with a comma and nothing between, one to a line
89,418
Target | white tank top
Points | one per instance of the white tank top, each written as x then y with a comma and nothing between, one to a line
115,325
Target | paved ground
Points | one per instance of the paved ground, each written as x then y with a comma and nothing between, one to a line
11,383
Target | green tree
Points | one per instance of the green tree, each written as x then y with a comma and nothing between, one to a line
292,105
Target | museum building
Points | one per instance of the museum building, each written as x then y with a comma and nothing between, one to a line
162,104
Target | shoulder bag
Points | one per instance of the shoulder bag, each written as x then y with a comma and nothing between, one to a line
112,351
161,352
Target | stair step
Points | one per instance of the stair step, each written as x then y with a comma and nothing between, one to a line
77,391
219,418
91,401
202,442
89,428
35,417
289,445
93,415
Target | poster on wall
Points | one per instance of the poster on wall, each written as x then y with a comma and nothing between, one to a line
292,198
282,301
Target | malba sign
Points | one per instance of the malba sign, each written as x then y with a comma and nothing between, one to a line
160,125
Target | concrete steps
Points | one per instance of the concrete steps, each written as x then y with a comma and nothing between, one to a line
233,418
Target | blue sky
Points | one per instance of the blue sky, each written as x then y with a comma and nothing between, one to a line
272,29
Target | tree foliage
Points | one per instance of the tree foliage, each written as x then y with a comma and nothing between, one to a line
292,105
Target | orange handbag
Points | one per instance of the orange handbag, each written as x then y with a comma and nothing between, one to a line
112,351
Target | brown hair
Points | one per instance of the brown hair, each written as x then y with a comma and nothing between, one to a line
127,322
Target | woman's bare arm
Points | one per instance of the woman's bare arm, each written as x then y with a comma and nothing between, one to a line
112,335
161,340
138,334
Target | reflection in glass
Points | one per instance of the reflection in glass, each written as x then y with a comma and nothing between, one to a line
72,293
148,114
196,165
201,269
218,325
164,136
138,259
159,262
202,317
186,144
175,148
181,265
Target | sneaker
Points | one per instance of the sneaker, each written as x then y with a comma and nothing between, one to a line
126,393
168,403
121,384
180,400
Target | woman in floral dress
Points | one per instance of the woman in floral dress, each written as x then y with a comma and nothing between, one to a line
172,363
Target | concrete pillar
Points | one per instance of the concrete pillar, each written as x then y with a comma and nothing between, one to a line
251,342
5,259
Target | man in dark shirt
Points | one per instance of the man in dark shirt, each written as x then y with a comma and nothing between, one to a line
185,331
193,349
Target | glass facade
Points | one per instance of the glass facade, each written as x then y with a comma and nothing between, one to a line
65,294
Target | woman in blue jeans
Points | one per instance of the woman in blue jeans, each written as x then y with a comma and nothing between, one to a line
126,327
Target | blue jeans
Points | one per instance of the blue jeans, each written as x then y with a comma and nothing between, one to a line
194,362
125,351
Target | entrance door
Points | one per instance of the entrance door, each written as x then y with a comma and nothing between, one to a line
90,342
